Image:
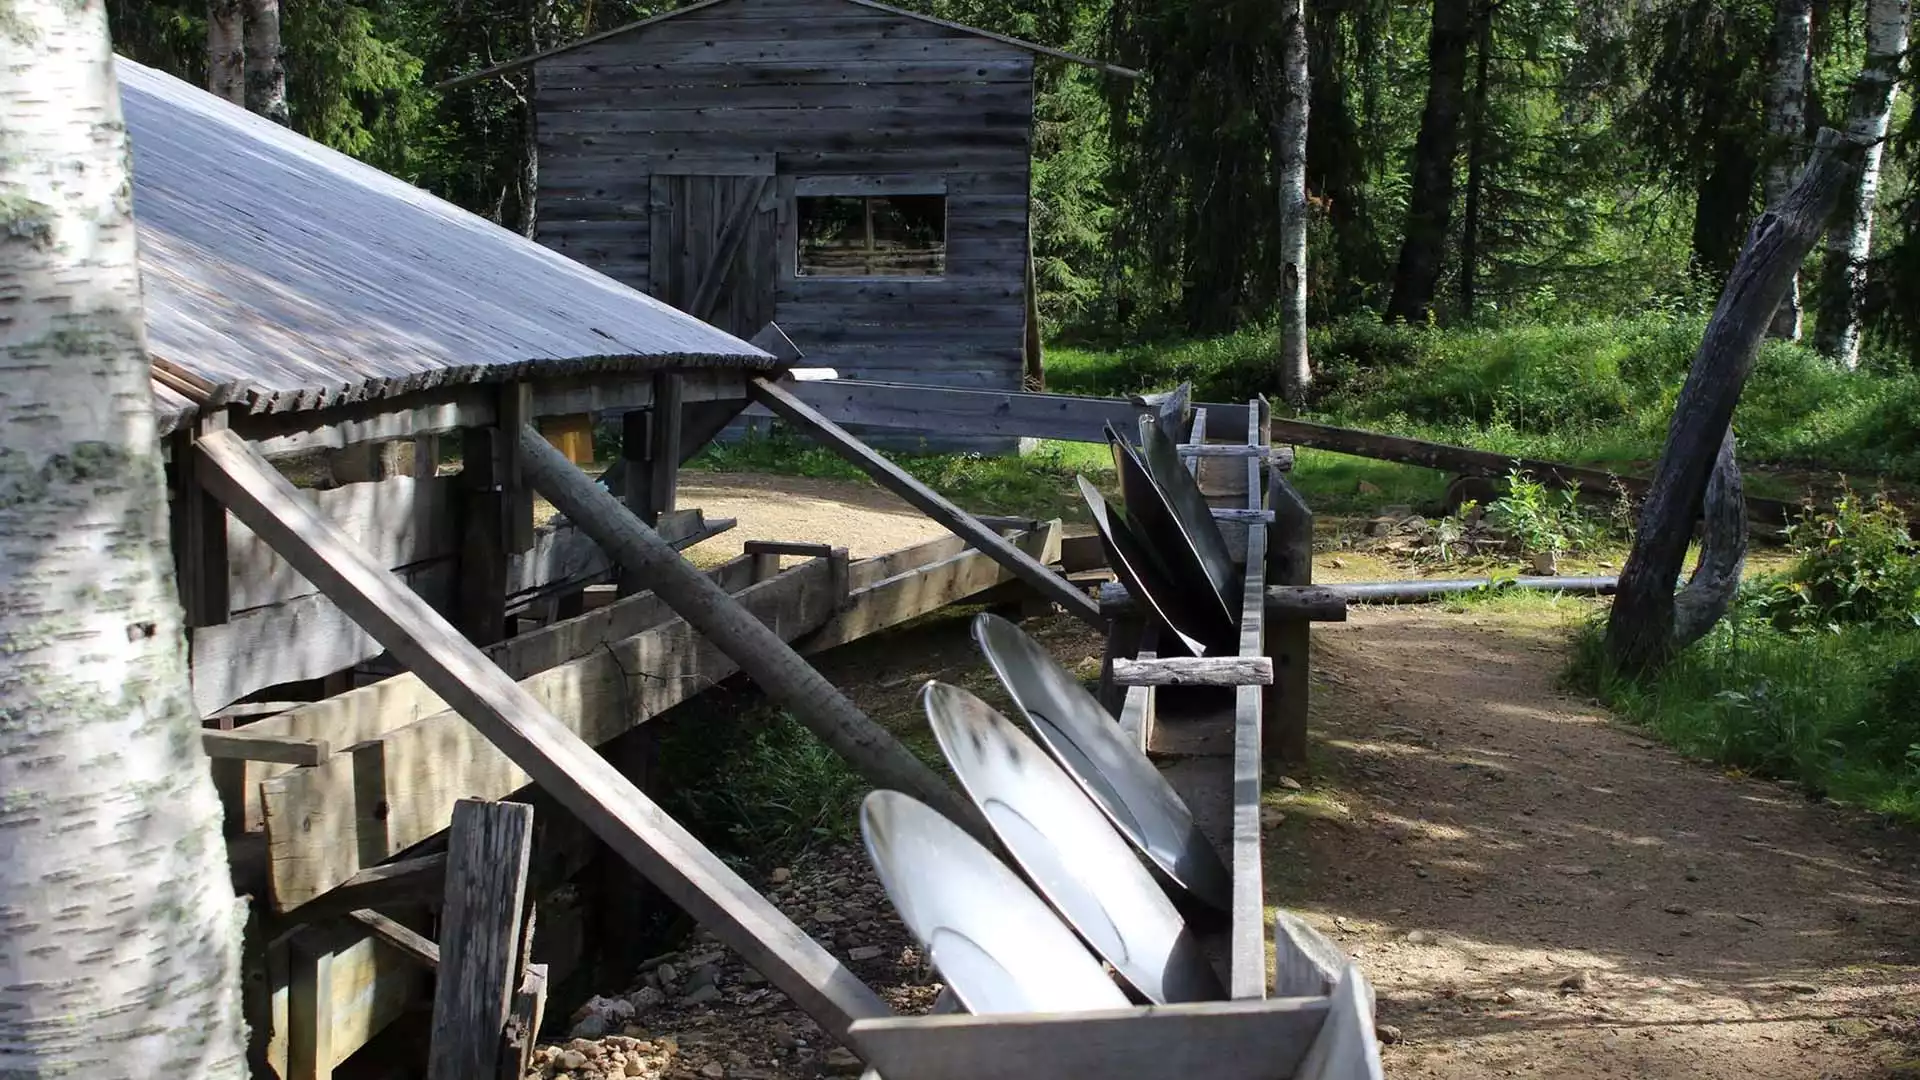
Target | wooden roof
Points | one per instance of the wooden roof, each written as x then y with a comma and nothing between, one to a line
281,275
1027,46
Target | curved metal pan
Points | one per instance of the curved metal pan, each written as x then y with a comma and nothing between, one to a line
1114,772
1190,509
1069,849
1139,571
998,946
1151,515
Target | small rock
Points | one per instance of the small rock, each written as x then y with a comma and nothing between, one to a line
865,952
713,1070
1504,997
1677,909
780,876
1289,783
842,1060
750,977
668,974
827,915
647,997
570,1059
1800,988
592,1026
1420,937
1576,983
633,1068
700,995
1339,564
1272,817
1387,1032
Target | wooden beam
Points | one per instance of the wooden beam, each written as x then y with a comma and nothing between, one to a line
310,1052
487,857
325,823
913,593
571,434
417,880
585,783
1305,963
1218,1040
516,411
405,940
762,653
663,447
1313,603
247,746
480,603
1289,639
1193,671
1247,947
1347,1046
926,500
199,533
788,547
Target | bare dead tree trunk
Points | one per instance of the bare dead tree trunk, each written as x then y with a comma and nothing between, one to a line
1296,370
1789,59
226,53
1430,204
1648,624
1843,275
266,61
119,931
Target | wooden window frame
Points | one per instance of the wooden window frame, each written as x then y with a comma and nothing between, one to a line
861,187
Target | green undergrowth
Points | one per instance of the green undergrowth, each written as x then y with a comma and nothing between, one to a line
1595,393
1037,484
1814,675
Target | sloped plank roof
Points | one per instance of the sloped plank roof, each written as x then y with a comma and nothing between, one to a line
282,275
1028,46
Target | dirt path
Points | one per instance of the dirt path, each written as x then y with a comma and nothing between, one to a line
854,513
1535,891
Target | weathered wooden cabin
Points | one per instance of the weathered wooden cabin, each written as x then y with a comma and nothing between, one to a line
856,172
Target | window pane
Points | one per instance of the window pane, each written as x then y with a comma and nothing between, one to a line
872,236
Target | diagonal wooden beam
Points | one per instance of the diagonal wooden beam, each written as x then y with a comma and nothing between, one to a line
558,760
926,500
708,292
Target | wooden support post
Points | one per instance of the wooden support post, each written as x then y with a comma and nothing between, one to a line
553,756
480,604
309,1007
663,448
200,532
635,482
516,412
1123,640
760,652
1290,562
926,500
487,855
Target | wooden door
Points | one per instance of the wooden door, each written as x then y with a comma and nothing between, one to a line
712,249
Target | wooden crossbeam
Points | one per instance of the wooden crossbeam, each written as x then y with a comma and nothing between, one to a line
404,939
1193,671
926,500
283,749
583,781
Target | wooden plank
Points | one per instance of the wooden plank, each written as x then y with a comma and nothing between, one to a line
727,248
788,547
1247,949
571,434
1289,639
1193,671
866,572
1305,963
324,823
896,184
1139,707
1218,1040
516,410
641,77
369,984
400,521
809,51
247,746
201,541
913,593
558,760
663,449
487,857
418,880
480,605
408,942
310,1053
1347,1047
976,412
926,500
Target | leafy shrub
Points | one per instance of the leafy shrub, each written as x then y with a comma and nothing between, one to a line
1858,564
763,788
1539,522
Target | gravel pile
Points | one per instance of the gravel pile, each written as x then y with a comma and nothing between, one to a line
701,1012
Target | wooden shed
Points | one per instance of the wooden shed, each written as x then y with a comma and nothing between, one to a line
856,172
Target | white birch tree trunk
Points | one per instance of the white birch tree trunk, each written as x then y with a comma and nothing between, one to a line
1843,276
266,65
226,51
1296,371
1788,59
119,931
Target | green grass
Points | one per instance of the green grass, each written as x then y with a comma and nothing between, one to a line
1831,711
1039,484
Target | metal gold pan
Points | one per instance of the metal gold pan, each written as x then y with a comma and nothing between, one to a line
1151,515
1070,850
1114,772
1190,509
997,945
1136,568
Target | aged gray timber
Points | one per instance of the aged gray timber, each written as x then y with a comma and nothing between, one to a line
929,502
1193,671
491,844
761,653
583,781
655,136
303,308
1247,966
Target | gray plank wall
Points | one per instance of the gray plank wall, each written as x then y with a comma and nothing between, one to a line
809,90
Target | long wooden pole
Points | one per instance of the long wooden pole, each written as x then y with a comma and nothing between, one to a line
557,759
759,651
927,501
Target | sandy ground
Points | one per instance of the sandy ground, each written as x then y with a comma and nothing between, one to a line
1534,890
